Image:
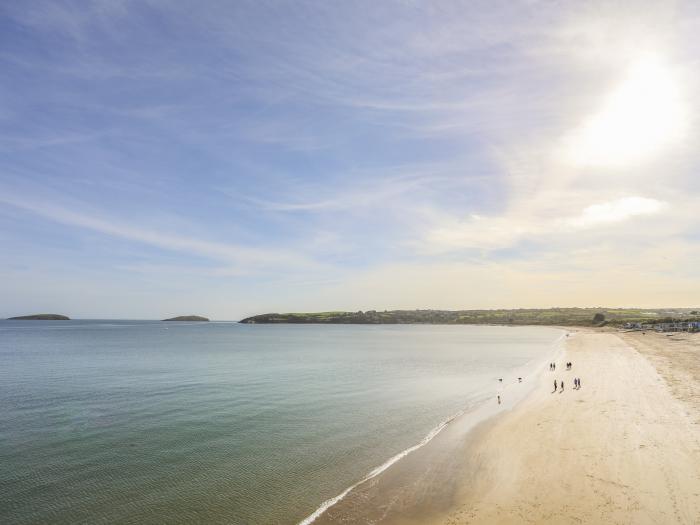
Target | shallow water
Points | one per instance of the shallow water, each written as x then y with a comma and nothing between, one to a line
151,422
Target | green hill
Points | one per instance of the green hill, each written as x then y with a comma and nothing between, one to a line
523,316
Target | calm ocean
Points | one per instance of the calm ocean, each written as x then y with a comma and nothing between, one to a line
152,422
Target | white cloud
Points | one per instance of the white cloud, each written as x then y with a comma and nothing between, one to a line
616,211
495,232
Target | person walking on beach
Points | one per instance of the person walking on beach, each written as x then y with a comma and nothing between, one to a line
555,385
562,386
499,400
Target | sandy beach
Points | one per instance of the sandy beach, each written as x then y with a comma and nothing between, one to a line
625,448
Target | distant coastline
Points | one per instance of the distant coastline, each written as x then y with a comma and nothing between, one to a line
513,317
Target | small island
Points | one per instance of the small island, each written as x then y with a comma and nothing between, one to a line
189,318
40,317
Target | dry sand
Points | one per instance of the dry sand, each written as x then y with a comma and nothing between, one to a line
625,448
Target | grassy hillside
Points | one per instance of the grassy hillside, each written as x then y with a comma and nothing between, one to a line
549,316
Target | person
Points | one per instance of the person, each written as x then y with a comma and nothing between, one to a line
520,380
555,385
499,400
578,384
562,385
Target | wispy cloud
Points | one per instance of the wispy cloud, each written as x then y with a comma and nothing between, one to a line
247,257
359,191
497,232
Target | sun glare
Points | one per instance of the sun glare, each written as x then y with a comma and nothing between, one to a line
640,118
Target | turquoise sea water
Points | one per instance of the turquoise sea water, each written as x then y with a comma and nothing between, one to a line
151,422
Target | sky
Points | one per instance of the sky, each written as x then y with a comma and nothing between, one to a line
233,158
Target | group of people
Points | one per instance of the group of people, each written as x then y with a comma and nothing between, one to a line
560,385
553,366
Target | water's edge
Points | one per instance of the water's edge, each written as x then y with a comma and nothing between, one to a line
477,414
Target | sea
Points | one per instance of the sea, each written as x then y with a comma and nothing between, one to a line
141,422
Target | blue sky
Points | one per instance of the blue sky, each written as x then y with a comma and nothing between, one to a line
232,158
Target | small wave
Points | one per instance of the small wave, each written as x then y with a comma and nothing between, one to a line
381,468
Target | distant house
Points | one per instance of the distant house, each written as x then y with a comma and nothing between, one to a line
678,326
665,327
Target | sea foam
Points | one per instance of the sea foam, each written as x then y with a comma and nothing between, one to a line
381,468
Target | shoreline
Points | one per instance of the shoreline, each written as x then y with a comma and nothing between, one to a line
623,449
459,425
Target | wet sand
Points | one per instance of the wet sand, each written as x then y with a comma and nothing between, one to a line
625,448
